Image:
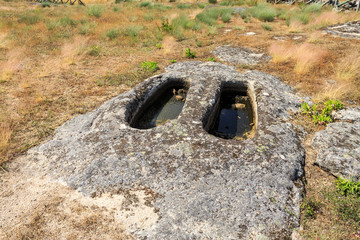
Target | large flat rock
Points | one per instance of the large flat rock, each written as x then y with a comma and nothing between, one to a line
338,148
205,187
239,55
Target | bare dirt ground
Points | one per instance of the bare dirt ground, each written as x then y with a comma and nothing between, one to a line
34,207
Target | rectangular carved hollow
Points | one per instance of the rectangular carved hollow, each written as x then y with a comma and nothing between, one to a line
233,116
165,103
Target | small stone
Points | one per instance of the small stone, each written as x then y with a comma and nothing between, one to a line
178,97
238,106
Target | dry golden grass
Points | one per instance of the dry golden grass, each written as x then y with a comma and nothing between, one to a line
5,135
306,56
348,68
346,74
281,52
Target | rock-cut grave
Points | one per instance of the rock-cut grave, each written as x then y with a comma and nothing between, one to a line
213,177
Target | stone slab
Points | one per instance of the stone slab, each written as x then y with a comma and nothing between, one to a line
205,187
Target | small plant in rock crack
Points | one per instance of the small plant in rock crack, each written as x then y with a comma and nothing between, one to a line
305,108
150,66
335,104
348,187
189,53
320,117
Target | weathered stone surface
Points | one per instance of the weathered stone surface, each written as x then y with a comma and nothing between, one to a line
348,114
345,30
207,187
338,148
235,55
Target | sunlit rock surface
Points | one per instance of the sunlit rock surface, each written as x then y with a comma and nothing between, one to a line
338,146
203,187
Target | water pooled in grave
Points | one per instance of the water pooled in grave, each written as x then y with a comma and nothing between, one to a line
167,106
234,117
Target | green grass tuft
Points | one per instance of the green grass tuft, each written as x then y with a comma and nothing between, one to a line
95,10
113,33
263,12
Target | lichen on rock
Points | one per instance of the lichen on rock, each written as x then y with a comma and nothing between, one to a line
239,55
338,146
206,187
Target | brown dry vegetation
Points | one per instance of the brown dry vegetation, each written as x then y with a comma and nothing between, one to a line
62,61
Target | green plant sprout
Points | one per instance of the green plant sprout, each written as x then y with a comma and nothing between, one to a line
189,54
150,66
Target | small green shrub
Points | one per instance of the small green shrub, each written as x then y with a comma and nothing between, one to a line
179,34
172,0
52,25
186,23
172,61
67,21
305,108
203,17
302,17
145,4
190,54
212,30
323,116
86,28
267,27
95,10
150,66
226,17
30,18
314,7
117,1
166,26
211,59
227,3
116,9
149,17
348,187
45,4
212,1
94,51
263,12
113,33
160,7
210,16
158,46
132,30
244,14
183,6
335,104
321,119
201,5
199,43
